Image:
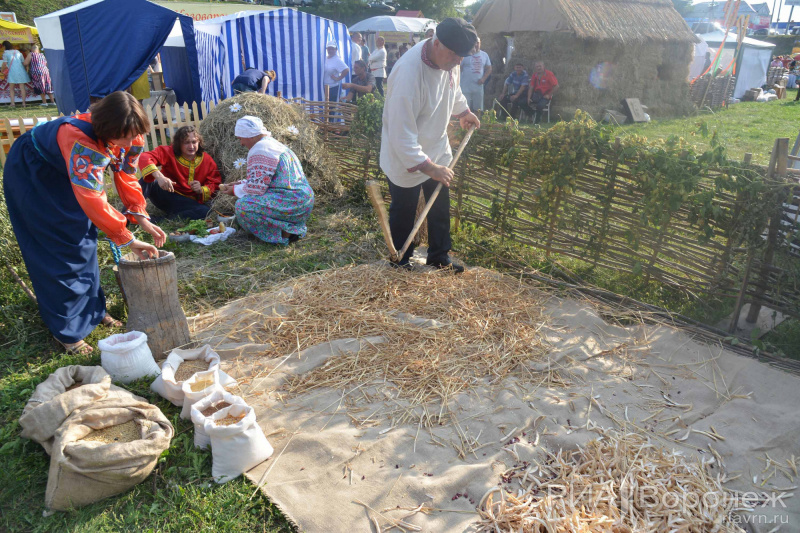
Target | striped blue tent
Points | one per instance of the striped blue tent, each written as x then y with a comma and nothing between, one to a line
290,42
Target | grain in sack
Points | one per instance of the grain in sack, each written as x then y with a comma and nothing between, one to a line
126,357
197,387
237,441
103,450
63,392
206,407
181,365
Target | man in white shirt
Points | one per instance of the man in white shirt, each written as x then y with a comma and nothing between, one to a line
475,70
355,50
422,94
377,63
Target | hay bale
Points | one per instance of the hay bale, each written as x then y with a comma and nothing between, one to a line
221,143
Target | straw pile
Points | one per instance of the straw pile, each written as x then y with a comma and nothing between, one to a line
487,326
221,143
618,483
126,432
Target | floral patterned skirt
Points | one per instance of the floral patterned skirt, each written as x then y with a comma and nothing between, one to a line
278,210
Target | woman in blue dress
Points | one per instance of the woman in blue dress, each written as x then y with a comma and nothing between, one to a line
17,75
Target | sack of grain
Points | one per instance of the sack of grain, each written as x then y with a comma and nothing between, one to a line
206,407
103,450
65,391
237,441
183,364
197,387
127,357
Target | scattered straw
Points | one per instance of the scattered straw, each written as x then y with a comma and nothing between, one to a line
126,432
189,368
618,483
488,326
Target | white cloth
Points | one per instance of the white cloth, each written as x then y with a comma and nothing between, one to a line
355,53
419,103
473,67
377,62
249,126
333,67
262,161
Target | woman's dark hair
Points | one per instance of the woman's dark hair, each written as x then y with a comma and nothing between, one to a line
117,115
7,45
181,135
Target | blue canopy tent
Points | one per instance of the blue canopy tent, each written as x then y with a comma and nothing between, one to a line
100,46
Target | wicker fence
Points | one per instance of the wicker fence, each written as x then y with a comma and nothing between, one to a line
598,223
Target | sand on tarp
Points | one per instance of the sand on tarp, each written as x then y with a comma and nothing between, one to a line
354,455
286,123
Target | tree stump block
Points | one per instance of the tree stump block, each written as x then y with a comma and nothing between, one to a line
151,292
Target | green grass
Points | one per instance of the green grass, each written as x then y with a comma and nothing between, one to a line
745,127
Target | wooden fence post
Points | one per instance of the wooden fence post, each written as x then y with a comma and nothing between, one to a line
552,228
777,171
611,188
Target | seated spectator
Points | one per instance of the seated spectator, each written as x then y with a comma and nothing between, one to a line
776,62
515,94
253,80
188,178
363,82
275,200
540,90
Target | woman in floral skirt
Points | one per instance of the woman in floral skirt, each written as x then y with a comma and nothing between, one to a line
275,200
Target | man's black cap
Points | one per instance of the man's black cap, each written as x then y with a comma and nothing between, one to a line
458,35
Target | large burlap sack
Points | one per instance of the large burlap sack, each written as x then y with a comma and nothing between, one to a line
127,357
209,382
83,472
216,401
236,447
170,388
65,391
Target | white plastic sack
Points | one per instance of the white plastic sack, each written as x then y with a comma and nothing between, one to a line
236,448
170,388
211,380
201,439
211,239
126,357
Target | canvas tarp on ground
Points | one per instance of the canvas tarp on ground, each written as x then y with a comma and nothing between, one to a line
338,449
100,46
751,70
291,43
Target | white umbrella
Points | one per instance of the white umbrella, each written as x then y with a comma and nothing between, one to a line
387,23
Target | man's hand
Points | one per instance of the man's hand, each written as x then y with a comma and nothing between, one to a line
347,85
197,187
481,81
514,98
438,173
164,182
226,188
548,96
469,120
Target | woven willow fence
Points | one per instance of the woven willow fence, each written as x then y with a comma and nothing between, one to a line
659,210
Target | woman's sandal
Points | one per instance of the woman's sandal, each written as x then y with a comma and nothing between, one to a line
111,322
77,348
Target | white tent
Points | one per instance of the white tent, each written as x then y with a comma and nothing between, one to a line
751,71
400,24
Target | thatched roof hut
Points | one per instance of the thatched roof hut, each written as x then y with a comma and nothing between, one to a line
600,50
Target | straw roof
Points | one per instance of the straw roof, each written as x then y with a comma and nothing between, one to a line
626,21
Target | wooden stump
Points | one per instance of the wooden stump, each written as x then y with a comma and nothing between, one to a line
151,292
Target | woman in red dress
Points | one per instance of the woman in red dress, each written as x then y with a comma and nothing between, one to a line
187,180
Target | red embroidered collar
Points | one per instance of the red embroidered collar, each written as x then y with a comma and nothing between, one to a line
425,48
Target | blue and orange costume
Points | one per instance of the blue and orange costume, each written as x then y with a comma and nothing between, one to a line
54,189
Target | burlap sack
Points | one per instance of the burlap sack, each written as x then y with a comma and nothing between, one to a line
51,402
83,472
169,388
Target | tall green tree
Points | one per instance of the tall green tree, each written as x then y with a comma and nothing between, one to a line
434,9
27,10
682,6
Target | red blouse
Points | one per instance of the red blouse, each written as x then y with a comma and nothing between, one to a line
87,161
183,172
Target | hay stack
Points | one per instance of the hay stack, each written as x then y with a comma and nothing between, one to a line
220,142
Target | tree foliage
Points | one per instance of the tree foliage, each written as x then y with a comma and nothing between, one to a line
682,6
27,10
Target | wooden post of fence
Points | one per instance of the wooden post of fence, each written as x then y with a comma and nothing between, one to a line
326,112
742,292
553,219
780,154
611,188
724,259
504,213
